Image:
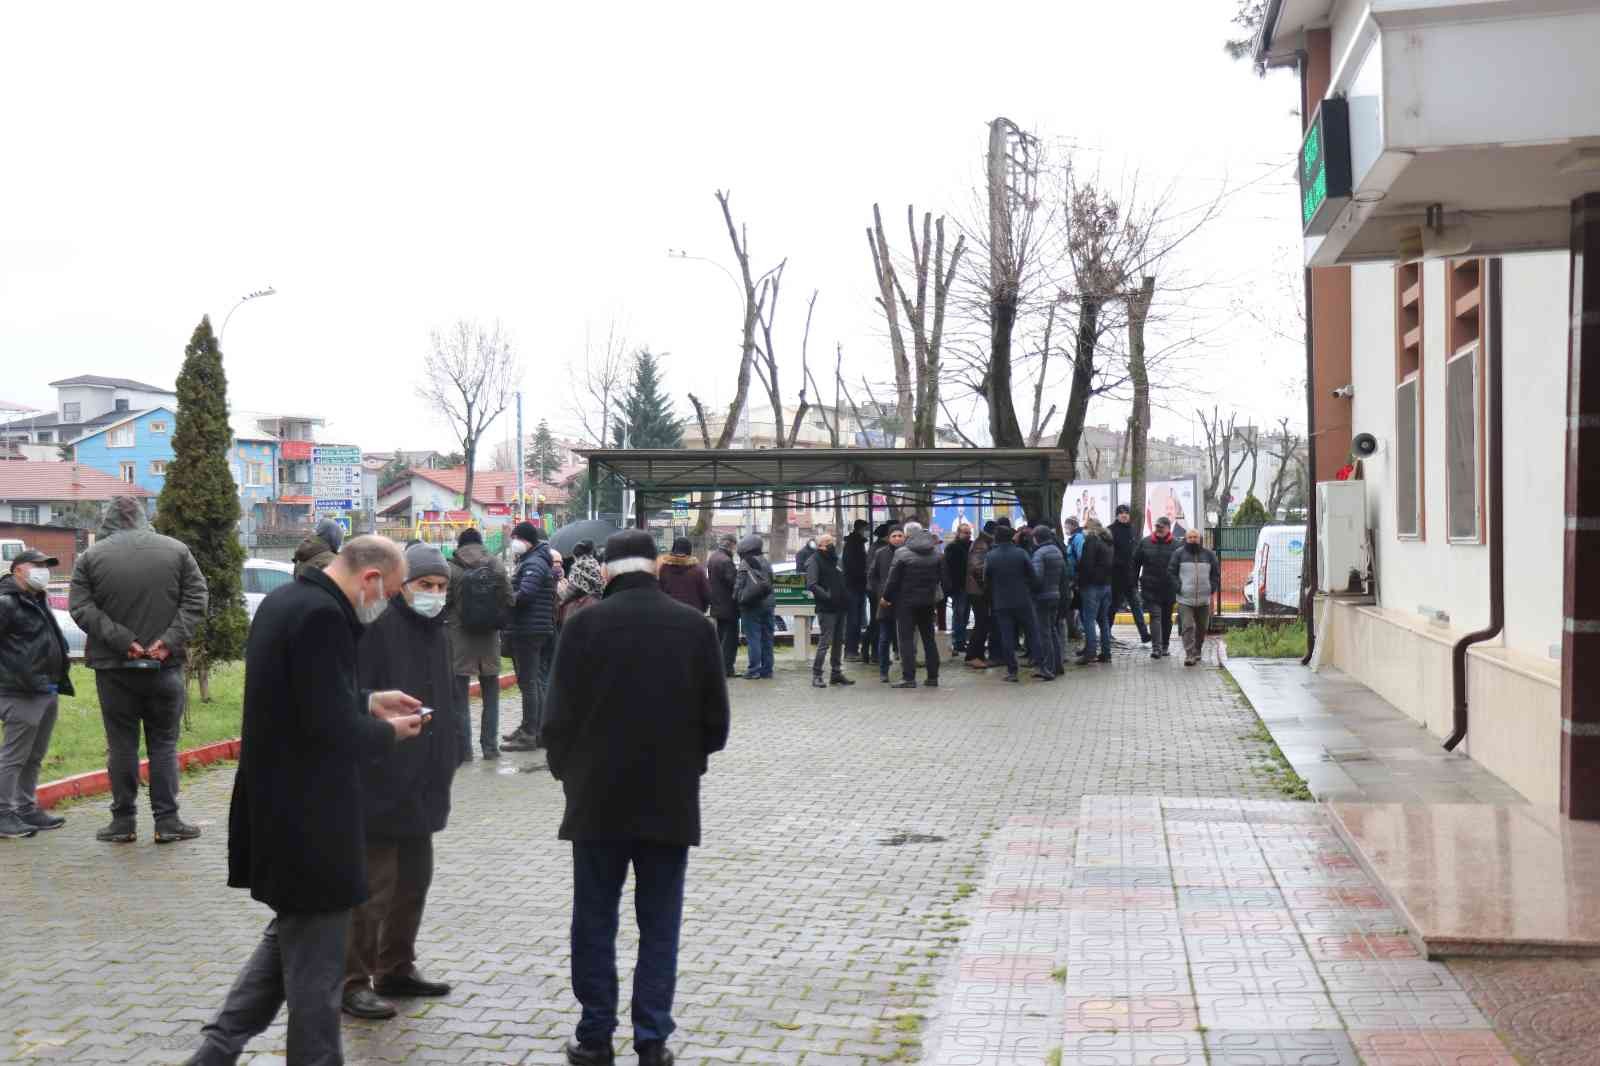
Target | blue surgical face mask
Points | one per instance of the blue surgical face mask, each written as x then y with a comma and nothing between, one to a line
428,604
368,613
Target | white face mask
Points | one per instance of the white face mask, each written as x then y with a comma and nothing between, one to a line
368,613
38,578
518,547
428,604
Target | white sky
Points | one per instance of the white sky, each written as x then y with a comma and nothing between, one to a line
390,167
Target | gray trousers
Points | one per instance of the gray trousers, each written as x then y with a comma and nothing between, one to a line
129,700
1194,621
29,720
830,625
300,961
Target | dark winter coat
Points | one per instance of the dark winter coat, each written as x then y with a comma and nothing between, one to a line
684,579
406,793
1097,562
956,555
977,585
33,653
878,567
752,585
914,573
132,585
803,556
1009,576
721,572
473,654
825,581
637,703
1195,573
533,594
296,835
1125,542
314,553
1048,565
855,562
1150,561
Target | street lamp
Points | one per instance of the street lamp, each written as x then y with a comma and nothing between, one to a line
246,298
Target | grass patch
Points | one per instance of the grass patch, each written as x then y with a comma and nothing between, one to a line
1054,1058
1059,975
965,889
1277,768
79,740
1263,641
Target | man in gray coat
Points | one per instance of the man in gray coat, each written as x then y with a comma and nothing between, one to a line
479,603
138,597
1195,574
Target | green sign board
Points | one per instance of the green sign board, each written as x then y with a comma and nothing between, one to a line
1325,183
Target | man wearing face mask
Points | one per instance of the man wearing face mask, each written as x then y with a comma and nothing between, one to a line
33,672
532,630
296,834
406,794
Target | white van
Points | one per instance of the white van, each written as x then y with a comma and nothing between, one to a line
1275,580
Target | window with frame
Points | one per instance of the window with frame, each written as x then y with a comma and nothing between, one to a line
158,467
1463,403
121,405
72,412
127,471
158,427
45,436
120,436
25,514
255,473
1410,521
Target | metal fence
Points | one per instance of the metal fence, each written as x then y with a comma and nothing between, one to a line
1274,588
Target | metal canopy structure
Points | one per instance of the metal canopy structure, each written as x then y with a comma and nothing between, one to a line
740,476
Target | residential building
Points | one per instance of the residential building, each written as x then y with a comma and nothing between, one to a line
85,403
422,498
1448,206
70,494
135,448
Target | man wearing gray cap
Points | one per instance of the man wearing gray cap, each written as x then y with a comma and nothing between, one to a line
33,673
638,701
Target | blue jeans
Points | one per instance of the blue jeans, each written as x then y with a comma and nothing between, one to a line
1049,635
532,657
598,870
958,619
1007,621
489,725
1096,614
887,633
758,628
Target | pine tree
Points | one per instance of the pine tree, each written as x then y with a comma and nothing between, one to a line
648,420
1250,513
199,503
544,458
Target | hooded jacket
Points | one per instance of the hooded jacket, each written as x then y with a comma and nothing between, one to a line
132,585
976,583
1195,574
914,573
533,601
1150,561
684,579
1098,560
878,567
722,573
1010,578
1048,565
314,553
34,658
855,562
473,654
406,792
825,581
752,586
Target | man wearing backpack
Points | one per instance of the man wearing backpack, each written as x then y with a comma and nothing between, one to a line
757,600
478,605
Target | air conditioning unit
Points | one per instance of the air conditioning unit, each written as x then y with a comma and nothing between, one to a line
1341,533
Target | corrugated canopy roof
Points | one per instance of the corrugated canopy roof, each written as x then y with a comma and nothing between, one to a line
682,470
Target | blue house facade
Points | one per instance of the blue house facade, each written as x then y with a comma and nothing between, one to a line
135,449
255,470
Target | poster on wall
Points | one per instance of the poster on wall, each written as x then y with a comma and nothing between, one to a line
1084,500
950,510
1172,497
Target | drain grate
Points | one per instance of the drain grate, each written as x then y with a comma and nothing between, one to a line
902,839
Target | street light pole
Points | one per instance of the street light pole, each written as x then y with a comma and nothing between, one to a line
246,298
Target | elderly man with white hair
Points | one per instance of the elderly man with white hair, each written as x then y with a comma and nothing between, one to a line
637,704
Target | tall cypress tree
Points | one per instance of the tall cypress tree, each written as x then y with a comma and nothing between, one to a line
199,503
648,420
543,456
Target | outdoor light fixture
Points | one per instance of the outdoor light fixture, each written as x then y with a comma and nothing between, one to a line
246,298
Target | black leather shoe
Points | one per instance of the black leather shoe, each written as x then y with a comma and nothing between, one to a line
904,684
590,1054
1012,678
409,984
840,679
118,832
521,742
172,830
362,1002
12,827
655,1053
42,819
817,682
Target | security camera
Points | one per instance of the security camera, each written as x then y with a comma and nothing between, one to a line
1344,392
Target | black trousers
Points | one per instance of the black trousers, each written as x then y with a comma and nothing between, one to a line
131,700
1124,591
978,638
911,621
831,638
728,638
854,614
1160,621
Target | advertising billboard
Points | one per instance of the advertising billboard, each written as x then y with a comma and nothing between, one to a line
1084,500
1173,497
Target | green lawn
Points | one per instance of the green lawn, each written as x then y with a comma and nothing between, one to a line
79,741
1262,641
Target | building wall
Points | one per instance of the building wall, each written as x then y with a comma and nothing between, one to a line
45,512
62,544
148,446
254,451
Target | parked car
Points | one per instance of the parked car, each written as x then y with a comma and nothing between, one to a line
261,576
69,628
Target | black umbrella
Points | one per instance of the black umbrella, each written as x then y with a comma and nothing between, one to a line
567,537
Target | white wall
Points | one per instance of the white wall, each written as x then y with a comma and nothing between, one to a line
91,402
1433,572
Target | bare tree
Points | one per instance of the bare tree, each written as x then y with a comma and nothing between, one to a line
598,385
1288,480
766,369
468,377
1226,454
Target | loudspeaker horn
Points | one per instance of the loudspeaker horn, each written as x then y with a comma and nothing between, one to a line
1364,445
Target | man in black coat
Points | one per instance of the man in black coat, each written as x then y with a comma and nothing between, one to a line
296,838
826,583
34,674
855,585
1150,561
532,631
1012,584
1125,539
912,589
722,570
638,703
406,794
956,554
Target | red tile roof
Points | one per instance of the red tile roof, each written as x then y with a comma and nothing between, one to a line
66,482
485,482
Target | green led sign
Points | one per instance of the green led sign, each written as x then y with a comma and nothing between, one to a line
1325,184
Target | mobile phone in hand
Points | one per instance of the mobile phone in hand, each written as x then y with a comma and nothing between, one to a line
426,714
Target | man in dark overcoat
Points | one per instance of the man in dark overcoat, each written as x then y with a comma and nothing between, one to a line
638,702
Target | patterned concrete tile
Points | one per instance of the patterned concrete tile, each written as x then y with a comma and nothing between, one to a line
1134,1049
1277,1048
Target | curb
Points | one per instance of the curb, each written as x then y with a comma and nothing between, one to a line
98,782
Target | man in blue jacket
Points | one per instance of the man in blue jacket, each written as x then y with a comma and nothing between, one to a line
1012,584
532,630
1048,564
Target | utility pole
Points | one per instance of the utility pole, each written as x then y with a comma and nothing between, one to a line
522,457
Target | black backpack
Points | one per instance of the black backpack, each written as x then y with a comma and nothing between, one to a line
480,600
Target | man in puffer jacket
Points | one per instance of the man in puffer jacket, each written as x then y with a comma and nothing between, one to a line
757,600
1196,574
1095,567
1048,566
1150,561
34,674
532,630
913,591
1123,589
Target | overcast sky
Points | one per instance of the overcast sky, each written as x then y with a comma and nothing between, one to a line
391,167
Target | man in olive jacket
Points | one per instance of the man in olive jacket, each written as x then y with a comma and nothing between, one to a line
296,837
138,597
474,645
638,703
